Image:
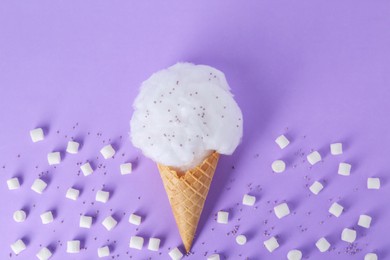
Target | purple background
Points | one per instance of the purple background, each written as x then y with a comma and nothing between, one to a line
317,71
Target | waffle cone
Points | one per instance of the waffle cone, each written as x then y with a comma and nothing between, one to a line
187,194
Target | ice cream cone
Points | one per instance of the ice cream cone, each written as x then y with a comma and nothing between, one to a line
187,194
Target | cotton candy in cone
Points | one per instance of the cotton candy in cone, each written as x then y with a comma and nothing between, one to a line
187,194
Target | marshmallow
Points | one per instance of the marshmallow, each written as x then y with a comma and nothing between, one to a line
72,194
136,242
348,235
107,151
103,251
282,141
248,200
175,254
126,168
85,221
73,246
19,216
336,148
314,157
294,255
37,135
44,254
271,244
39,186
336,209
135,219
364,221
109,223
154,244
223,217
54,158
47,217
213,257
13,183
278,166
241,240
344,169
373,183
371,256
102,196
18,247
281,210
322,244
86,169
72,147
316,187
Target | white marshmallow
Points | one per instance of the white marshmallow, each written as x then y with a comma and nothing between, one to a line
109,223
136,242
54,158
294,255
19,216
85,221
213,257
18,246
135,219
282,141
73,246
13,183
348,235
39,186
364,221
175,254
72,194
103,251
271,244
107,151
336,148
314,157
371,256
322,244
281,210
278,166
102,196
336,209
86,169
248,200
44,254
126,168
223,217
37,135
154,244
344,169
373,183
72,147
241,240
47,217
316,187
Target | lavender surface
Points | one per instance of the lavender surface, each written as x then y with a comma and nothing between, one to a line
318,72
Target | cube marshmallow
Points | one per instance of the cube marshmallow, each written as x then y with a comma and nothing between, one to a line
73,246
19,216
136,242
102,196
336,209
37,135
373,183
85,221
322,244
316,187
13,183
278,166
44,254
109,223
135,219
271,244
294,254
72,194
154,244
86,169
348,235
281,210
103,251
214,257
47,217
72,147
344,169
282,141
18,246
126,168
54,158
223,217
336,148
241,240
175,254
364,221
314,157
248,200
39,186
371,256
107,151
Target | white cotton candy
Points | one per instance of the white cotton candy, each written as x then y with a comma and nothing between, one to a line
184,112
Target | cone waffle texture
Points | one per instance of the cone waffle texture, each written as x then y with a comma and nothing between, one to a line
187,193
